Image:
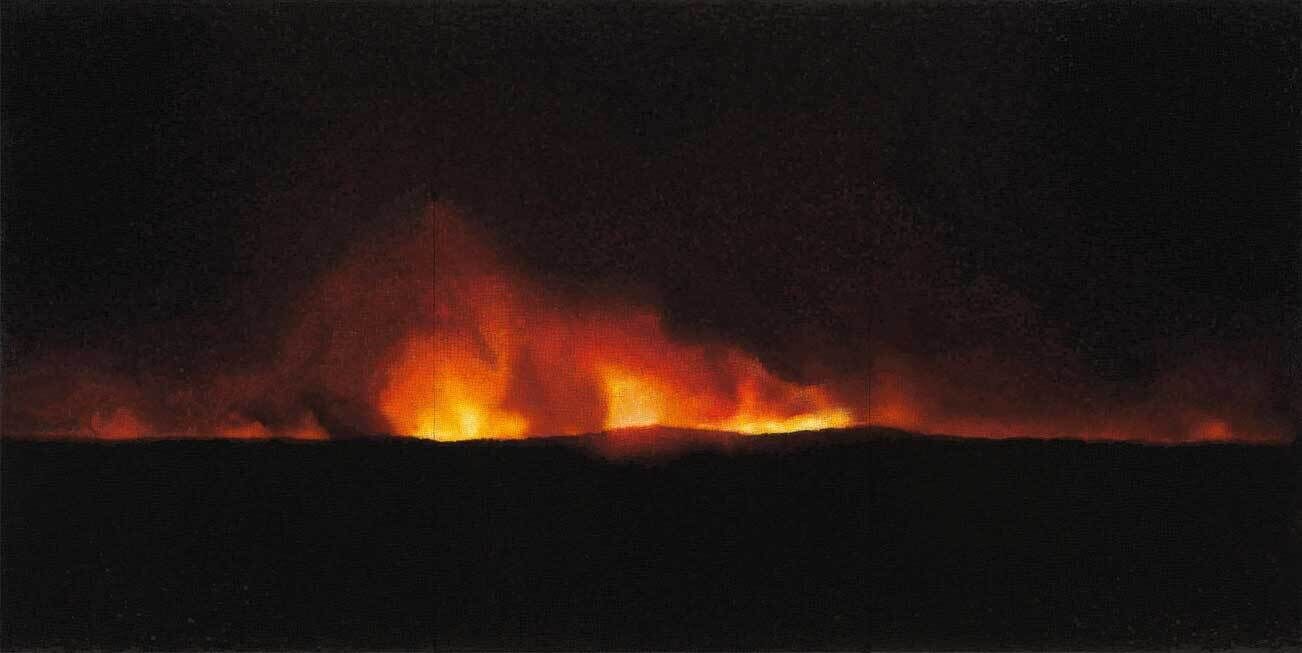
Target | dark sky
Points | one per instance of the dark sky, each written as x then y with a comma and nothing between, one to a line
791,177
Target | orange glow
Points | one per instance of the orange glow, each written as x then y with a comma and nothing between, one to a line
478,349
511,359
117,424
408,399
891,405
630,401
1214,430
236,428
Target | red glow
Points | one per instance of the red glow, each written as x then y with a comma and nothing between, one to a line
478,349
513,359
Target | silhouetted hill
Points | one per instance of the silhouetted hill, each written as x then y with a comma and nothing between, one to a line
821,540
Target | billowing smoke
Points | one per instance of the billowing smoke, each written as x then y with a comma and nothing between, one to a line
763,276
778,240
429,329
345,359
514,357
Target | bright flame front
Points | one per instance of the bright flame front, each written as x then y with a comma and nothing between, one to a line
511,359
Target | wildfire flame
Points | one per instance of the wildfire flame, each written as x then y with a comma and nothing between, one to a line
513,359
479,349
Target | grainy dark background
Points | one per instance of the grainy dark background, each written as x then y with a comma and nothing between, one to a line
785,177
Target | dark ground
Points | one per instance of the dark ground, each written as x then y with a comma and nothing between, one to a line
890,543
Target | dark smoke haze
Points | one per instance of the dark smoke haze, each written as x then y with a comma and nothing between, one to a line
1073,217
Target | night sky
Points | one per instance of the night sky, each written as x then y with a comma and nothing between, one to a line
1118,182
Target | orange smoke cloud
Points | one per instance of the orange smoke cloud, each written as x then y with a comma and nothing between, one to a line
426,331
512,358
353,358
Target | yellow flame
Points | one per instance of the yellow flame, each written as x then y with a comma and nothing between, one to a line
630,401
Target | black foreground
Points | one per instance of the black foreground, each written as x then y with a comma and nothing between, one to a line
893,543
